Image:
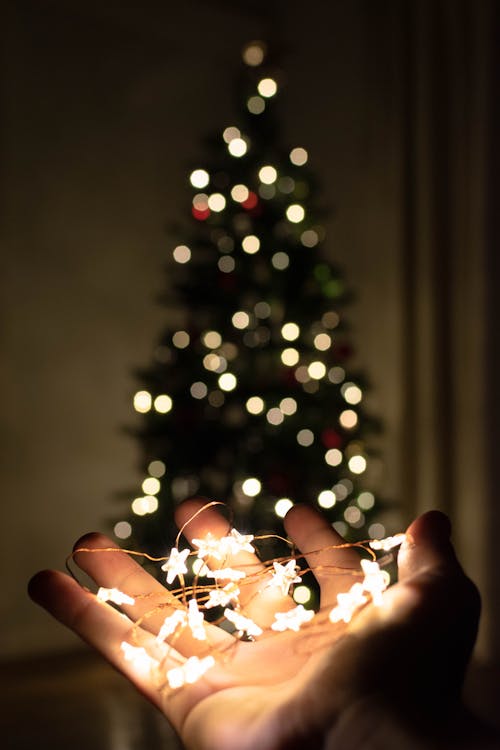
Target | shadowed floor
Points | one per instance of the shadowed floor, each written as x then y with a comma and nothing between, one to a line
76,701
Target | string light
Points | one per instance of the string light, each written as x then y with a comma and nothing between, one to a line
268,175
280,261
250,244
322,342
175,565
309,238
267,87
288,406
142,402
253,53
275,416
237,147
227,381
290,356
298,156
317,370
114,595
216,202
198,390
295,213
199,178
251,487
281,575
212,339
348,419
327,499
305,438
357,464
231,133
151,486
255,405
293,619
226,264
256,105
285,576
182,254
282,506
240,319
163,403
122,530
290,331
181,339
157,468
239,193
352,393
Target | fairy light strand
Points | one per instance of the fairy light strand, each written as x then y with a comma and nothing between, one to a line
223,588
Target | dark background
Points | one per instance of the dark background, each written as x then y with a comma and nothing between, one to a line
104,105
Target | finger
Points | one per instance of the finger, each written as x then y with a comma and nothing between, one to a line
258,600
152,601
427,545
98,624
319,542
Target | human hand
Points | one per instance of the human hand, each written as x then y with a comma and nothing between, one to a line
390,678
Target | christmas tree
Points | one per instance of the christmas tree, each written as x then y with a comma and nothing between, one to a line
249,398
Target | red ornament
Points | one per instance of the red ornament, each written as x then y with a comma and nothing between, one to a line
251,201
200,214
330,438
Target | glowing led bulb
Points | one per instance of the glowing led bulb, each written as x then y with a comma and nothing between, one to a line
227,381
293,619
282,506
275,416
199,178
182,254
288,406
190,672
212,339
256,105
240,319
316,370
253,53
290,356
196,621
243,624
250,244
181,339
255,405
267,87
295,213
151,486
114,595
175,565
375,581
309,238
237,147
251,487
348,603
231,133
224,596
302,594
333,457
157,468
305,438
285,576
290,331
298,156
163,403
366,500
322,342
268,174
357,464
226,264
142,402
388,543
239,193
280,261
122,530
327,499
216,202
170,624
138,656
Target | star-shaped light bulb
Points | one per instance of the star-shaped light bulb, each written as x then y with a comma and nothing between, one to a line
284,576
191,671
176,564
114,595
242,624
223,597
293,619
170,624
211,546
375,581
347,603
196,620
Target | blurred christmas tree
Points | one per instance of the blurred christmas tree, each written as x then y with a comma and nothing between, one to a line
249,399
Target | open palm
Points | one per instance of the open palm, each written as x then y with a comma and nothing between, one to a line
319,687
